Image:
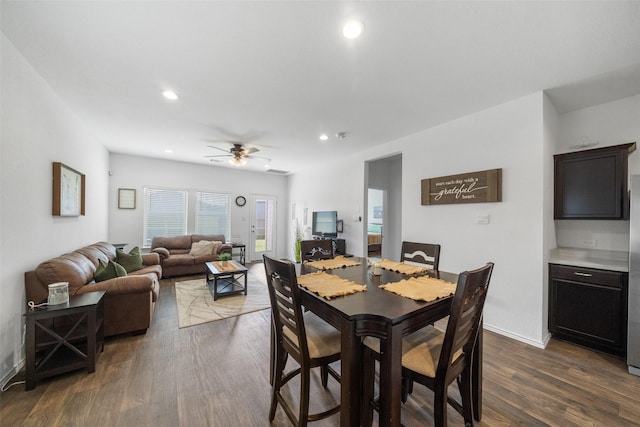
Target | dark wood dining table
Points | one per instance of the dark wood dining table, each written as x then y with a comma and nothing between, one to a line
385,315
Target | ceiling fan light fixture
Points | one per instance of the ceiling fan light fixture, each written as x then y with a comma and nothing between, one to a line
237,161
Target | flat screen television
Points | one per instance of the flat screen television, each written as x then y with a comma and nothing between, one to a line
324,224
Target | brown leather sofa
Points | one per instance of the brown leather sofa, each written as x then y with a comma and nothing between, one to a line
129,300
176,259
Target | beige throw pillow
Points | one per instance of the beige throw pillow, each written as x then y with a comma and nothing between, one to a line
203,247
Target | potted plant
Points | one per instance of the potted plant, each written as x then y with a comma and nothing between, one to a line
298,243
224,257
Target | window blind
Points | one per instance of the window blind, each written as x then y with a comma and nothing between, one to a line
165,213
212,213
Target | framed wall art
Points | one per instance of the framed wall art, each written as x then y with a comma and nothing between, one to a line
472,187
126,198
68,191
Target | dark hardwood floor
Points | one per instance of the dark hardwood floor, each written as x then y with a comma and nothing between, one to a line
216,374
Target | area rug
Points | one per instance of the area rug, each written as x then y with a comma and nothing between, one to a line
196,305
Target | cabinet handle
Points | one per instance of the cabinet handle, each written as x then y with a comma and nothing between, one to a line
577,273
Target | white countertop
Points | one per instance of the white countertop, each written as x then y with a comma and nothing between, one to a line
591,258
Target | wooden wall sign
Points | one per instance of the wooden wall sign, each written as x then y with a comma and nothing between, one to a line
472,187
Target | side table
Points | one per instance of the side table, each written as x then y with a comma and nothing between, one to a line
242,254
64,337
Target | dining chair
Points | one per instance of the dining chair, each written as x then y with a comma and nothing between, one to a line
313,250
435,358
309,340
427,254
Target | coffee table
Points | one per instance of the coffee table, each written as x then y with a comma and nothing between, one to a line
225,279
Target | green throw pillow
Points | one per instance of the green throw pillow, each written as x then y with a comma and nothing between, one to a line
131,261
108,270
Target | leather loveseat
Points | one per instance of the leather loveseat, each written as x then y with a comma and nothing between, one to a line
129,300
178,255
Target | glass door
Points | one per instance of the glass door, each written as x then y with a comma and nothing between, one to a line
263,227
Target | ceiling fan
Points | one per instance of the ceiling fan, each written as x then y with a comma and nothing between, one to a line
238,154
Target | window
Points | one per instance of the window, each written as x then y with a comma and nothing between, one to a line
212,213
165,213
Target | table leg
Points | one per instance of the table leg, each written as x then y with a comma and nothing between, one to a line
246,288
350,375
91,340
391,377
30,377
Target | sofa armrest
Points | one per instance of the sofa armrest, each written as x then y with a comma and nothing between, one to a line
162,252
120,285
225,249
151,259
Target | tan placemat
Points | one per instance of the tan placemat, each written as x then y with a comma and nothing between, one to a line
222,268
330,264
402,267
421,288
328,285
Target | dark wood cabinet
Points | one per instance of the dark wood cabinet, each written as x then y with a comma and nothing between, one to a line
592,184
589,307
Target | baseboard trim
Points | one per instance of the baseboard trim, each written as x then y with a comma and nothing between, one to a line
539,344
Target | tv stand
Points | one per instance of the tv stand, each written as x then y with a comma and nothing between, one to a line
339,245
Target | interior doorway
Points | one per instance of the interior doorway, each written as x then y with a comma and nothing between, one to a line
383,220
375,222
263,227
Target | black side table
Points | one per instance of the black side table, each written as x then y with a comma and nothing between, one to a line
242,254
64,337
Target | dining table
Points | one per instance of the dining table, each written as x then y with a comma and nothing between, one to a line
382,314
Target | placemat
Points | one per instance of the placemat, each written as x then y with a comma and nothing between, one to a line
330,264
402,267
421,288
328,285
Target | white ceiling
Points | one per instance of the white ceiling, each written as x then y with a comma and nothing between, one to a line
276,74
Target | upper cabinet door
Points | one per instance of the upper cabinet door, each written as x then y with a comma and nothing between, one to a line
592,184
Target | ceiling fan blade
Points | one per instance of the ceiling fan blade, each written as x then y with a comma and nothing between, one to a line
218,148
221,155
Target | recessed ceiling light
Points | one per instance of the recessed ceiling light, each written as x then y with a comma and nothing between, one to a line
352,29
323,137
169,94
168,151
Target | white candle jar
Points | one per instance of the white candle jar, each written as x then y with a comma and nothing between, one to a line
58,293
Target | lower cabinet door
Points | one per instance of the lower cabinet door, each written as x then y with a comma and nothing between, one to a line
588,313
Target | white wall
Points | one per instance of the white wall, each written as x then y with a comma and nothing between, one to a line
509,136
550,142
125,225
38,129
612,123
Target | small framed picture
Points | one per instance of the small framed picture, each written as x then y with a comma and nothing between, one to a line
339,226
126,198
68,191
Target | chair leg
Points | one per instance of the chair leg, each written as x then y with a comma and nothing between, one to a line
280,362
464,385
303,417
440,406
324,375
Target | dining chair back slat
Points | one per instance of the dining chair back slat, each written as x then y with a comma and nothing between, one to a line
422,254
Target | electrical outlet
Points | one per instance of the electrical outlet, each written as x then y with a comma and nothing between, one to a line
589,243
482,219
